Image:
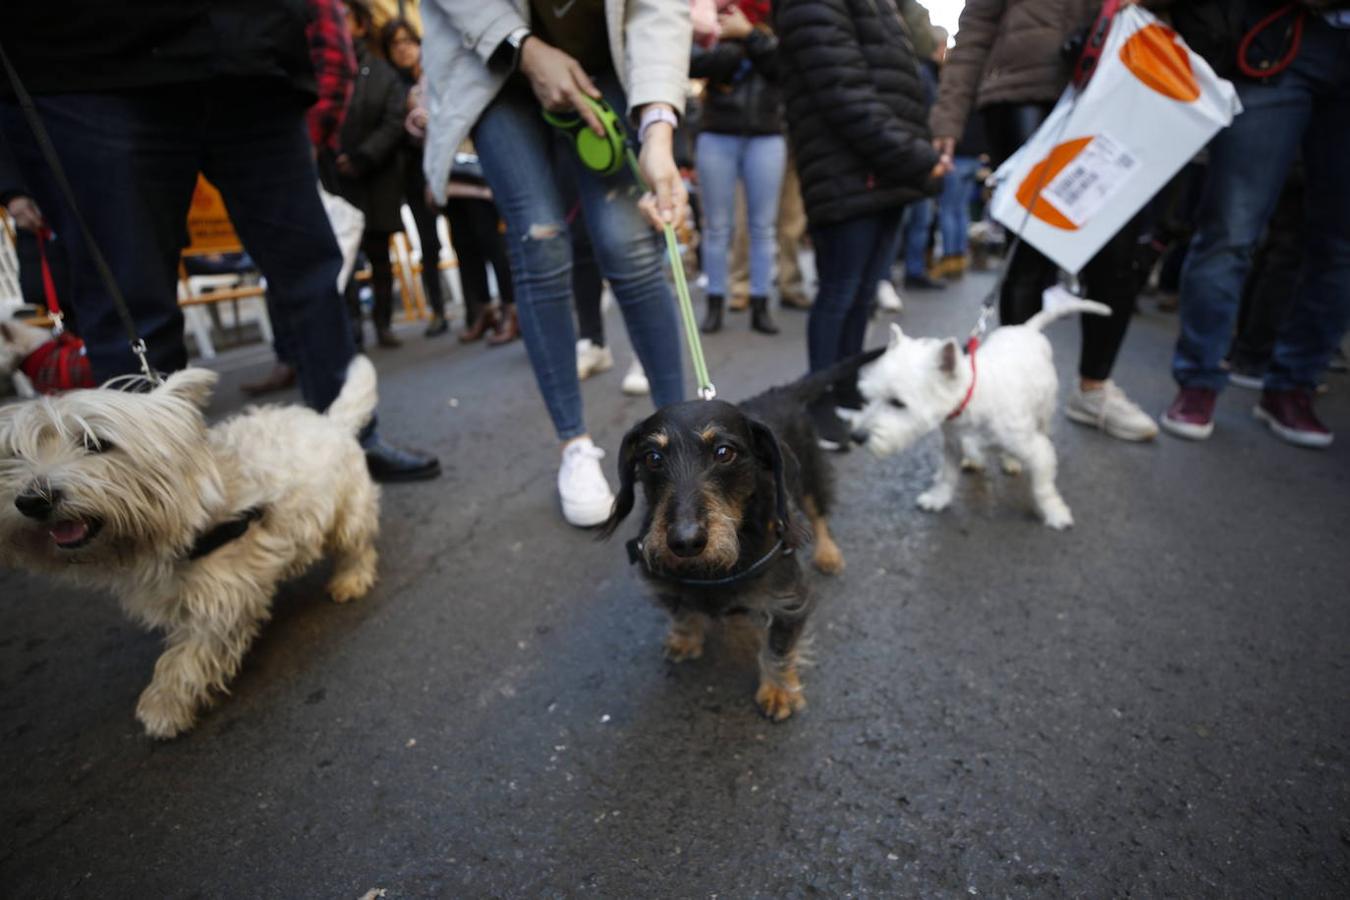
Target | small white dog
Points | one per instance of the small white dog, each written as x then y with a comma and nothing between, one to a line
1001,397
191,528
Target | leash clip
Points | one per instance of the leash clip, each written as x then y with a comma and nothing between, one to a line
138,348
708,392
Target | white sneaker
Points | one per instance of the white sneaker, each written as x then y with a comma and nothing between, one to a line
592,359
585,494
1110,410
887,298
635,381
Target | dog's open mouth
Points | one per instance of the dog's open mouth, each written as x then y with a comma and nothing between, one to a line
74,533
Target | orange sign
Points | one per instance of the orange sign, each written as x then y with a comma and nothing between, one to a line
209,228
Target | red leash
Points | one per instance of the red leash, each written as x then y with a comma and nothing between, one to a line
1283,62
971,346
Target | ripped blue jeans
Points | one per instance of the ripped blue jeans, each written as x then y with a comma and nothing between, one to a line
528,165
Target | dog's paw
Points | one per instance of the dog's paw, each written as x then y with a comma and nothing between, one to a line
348,586
935,499
163,714
777,702
681,646
1057,515
828,558
1012,466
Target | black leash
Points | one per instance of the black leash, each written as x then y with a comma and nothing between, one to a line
44,143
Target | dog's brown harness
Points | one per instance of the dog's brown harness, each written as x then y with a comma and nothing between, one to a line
230,530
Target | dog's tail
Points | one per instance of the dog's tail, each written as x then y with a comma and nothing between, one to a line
356,403
1068,308
808,389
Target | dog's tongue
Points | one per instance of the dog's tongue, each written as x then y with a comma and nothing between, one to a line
69,532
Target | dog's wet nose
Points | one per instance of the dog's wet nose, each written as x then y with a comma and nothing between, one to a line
37,504
687,539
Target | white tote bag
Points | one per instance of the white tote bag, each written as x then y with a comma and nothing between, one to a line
1103,153
348,223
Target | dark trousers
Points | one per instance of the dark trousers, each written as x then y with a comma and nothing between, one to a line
415,193
133,159
851,259
1272,281
587,288
375,246
478,241
1110,277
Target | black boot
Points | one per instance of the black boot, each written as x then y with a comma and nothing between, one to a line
712,322
761,319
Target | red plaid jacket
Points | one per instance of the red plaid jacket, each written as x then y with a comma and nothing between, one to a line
330,49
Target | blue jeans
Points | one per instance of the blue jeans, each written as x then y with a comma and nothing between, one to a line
133,160
851,259
758,161
528,164
918,221
1308,108
954,205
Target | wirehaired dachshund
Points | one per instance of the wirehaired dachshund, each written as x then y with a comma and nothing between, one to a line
726,486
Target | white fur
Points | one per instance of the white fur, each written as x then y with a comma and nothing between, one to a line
166,479
1010,409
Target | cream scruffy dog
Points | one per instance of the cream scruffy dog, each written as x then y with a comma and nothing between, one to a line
191,528
1003,397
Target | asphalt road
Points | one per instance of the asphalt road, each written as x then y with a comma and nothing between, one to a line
1156,703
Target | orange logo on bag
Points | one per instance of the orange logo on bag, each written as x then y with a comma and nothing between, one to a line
1041,175
1162,63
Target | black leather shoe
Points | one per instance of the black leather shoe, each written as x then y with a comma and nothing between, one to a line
388,463
712,322
761,319
437,327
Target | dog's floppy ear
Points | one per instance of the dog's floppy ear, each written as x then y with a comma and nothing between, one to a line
193,385
623,501
770,455
947,358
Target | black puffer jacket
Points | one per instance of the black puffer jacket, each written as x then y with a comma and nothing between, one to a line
372,136
855,107
742,96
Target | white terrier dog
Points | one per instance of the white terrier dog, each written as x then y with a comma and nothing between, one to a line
190,528
1002,397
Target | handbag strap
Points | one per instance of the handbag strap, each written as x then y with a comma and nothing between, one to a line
44,234
1094,43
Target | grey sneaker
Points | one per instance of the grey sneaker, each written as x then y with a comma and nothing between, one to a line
1110,410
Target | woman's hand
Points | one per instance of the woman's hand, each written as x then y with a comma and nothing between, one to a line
559,82
667,202
735,26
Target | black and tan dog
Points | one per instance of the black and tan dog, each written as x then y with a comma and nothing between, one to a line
724,486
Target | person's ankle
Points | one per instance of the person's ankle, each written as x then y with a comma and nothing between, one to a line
570,441
1090,384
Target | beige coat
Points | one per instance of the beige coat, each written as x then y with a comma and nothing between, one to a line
1007,51
649,43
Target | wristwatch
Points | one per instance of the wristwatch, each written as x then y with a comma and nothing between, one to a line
653,114
507,54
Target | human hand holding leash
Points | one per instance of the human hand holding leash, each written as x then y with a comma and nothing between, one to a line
559,82
667,201
25,213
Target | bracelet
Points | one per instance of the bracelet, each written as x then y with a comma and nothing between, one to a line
653,114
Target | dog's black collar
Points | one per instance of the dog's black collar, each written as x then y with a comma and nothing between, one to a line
755,568
210,541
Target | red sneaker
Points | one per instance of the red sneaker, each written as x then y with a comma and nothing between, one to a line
1290,415
1191,414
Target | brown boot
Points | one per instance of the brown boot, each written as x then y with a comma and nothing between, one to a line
474,331
281,377
508,329
738,302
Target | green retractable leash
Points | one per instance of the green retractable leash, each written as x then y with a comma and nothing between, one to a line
606,155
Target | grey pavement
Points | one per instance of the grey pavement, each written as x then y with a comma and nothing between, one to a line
1156,703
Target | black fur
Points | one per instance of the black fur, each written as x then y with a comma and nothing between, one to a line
775,470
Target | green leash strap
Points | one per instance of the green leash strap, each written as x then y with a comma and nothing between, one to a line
706,389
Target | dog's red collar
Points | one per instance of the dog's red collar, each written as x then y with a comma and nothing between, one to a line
971,346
